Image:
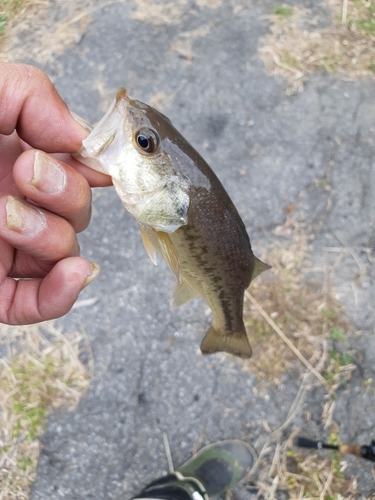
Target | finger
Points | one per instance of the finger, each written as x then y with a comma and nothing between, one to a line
30,301
94,178
10,149
41,238
55,186
30,104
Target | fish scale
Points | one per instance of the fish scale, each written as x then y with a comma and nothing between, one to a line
183,211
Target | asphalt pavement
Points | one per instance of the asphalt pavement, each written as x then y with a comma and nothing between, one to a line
199,64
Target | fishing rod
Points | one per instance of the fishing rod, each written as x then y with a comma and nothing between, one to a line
362,451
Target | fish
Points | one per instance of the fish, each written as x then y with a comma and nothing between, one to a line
183,212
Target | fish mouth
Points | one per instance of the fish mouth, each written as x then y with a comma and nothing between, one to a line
94,151
110,135
134,107
122,93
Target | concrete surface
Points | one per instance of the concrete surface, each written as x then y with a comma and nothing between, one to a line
267,148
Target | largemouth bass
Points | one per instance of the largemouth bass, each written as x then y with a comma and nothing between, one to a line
183,211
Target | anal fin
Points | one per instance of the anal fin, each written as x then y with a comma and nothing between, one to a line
183,292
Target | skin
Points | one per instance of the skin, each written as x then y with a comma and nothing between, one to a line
35,118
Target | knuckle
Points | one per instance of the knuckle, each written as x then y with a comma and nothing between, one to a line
68,241
19,82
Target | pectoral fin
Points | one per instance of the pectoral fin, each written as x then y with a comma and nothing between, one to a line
183,292
166,209
161,242
259,267
169,253
148,246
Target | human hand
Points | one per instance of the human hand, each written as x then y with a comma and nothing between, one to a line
44,200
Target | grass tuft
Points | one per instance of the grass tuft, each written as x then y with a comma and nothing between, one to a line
307,314
10,12
42,29
297,47
338,334
42,371
283,11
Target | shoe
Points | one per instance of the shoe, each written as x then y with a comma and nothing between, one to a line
213,470
220,466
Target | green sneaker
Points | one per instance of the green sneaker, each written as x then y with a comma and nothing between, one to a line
220,466
213,470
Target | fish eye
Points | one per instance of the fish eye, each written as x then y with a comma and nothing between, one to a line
147,140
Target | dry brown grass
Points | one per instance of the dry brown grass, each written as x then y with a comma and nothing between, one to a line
298,320
158,12
42,371
296,48
11,12
306,474
51,26
301,473
42,29
306,312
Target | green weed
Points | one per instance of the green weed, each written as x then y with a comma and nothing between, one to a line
367,25
9,10
342,359
282,11
290,60
337,334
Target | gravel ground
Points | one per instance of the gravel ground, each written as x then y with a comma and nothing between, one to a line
200,66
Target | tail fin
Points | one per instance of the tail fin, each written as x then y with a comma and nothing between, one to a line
233,343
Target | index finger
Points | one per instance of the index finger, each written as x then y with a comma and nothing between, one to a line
30,104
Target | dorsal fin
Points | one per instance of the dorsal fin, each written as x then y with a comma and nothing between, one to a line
259,267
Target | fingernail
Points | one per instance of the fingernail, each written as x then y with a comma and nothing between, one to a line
49,176
23,219
86,125
95,270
